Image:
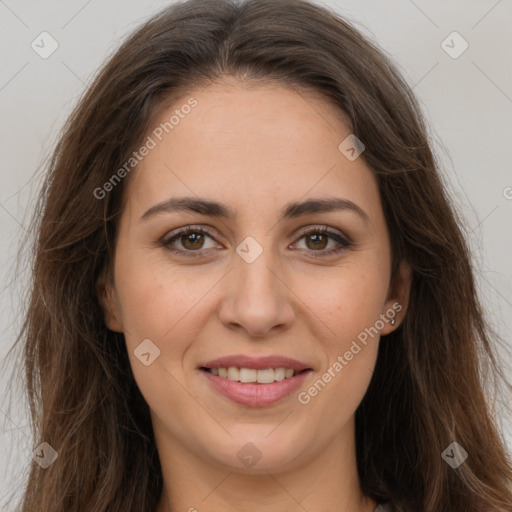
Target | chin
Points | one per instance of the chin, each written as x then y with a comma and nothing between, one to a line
258,454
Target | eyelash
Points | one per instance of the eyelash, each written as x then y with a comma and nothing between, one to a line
344,242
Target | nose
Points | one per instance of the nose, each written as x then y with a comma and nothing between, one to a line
257,298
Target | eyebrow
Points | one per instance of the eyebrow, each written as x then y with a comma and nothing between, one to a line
288,211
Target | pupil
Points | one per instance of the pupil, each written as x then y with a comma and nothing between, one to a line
316,242
190,236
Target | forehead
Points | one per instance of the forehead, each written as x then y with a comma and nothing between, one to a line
251,145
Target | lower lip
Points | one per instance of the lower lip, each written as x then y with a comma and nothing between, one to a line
256,395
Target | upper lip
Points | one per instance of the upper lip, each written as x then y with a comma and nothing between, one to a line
257,363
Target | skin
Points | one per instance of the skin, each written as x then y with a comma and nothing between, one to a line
254,147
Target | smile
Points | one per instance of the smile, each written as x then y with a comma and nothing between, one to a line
241,385
251,375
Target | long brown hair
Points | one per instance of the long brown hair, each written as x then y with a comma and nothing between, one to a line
433,375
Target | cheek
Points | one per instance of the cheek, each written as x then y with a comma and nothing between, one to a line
163,308
154,295
159,303
351,299
348,306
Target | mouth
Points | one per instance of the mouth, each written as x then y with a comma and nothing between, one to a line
255,382
252,375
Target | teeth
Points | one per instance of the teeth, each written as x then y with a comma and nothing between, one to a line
265,376
233,373
279,374
247,375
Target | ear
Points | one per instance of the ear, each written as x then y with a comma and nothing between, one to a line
397,302
107,299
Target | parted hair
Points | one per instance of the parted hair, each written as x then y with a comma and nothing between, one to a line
435,375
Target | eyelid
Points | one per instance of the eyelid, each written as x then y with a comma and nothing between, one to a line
343,240
175,234
323,228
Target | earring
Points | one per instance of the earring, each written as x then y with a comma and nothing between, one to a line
393,321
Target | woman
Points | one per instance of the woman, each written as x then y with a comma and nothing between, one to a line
193,341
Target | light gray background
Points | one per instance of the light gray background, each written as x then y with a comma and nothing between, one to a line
468,103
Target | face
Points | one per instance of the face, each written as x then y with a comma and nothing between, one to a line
270,284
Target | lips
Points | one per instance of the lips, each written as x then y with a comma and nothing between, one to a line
257,363
278,377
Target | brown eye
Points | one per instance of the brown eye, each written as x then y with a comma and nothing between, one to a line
191,239
317,240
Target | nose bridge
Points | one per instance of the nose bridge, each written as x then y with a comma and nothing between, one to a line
256,270
257,299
